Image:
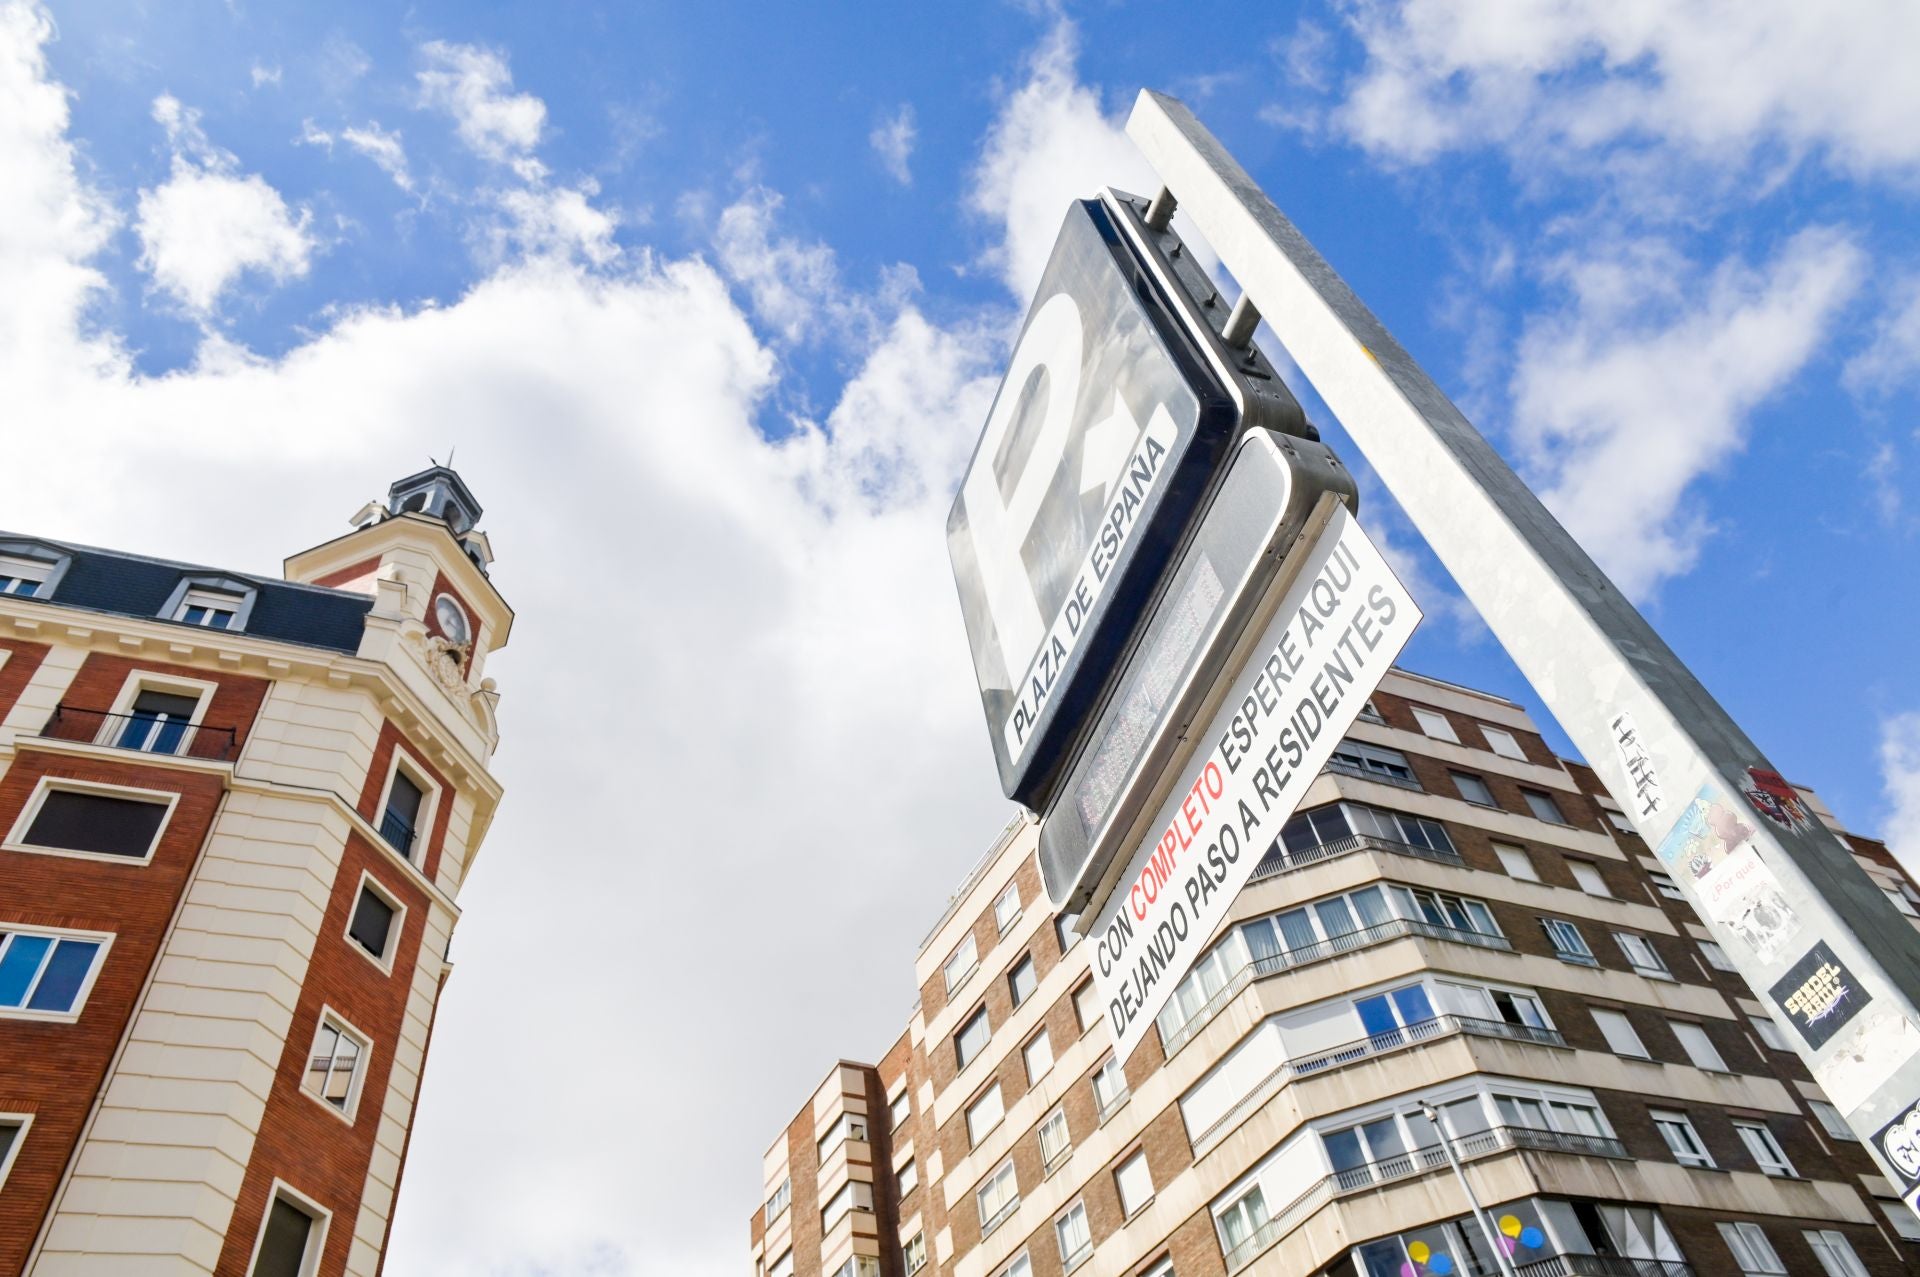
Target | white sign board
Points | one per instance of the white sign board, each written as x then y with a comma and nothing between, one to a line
1337,630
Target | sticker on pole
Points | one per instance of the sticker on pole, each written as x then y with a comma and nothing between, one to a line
1330,642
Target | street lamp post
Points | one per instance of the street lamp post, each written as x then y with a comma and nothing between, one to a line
1487,1230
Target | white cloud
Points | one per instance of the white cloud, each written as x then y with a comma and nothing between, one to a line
554,222
264,75
1900,778
1644,383
384,148
474,86
1051,143
1566,79
758,634
207,225
892,140
1892,357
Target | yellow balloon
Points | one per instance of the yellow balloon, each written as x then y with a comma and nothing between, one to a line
1510,1225
1419,1252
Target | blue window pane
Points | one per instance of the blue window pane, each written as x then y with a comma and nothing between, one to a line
64,976
1376,1016
1343,1149
18,966
1413,1004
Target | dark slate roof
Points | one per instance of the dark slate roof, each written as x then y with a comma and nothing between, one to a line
135,585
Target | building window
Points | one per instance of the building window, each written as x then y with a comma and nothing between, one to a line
1568,944
1681,1138
373,926
1055,1142
1371,762
915,1253
1020,1267
1240,1219
156,722
1109,1088
984,1114
1904,1221
1834,1253
778,1203
1716,956
400,818
1831,1120
1666,886
1769,1032
1698,1046
1586,876
1162,1269
1435,724
1038,1054
783,1266
961,963
1618,819
1333,826
13,1134
847,1126
1516,862
1619,1033
1006,910
899,1108
907,1177
336,1066
1134,1182
1752,1251
1063,930
972,1036
1503,743
854,1195
210,608
859,1266
1543,807
998,1198
1764,1149
22,576
48,973
1076,1242
1642,956
1473,789
291,1237
1086,1005
124,824
1021,980
1371,713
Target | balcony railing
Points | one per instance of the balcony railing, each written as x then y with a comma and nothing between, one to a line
144,733
1366,773
1423,1161
1275,964
1000,1216
1279,860
1112,1104
1603,1266
1441,1026
398,832
1078,1258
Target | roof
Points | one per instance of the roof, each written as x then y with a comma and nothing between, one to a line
124,584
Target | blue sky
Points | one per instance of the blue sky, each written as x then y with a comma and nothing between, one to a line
711,299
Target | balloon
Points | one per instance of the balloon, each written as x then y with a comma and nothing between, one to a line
1418,1252
1441,1265
1510,1225
1531,1236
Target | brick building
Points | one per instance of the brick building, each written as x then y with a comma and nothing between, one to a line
1455,918
235,813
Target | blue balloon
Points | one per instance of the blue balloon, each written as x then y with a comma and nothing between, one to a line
1440,1265
1531,1236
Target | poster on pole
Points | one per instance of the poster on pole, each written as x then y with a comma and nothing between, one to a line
1330,642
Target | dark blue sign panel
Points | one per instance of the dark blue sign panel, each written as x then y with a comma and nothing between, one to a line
1103,439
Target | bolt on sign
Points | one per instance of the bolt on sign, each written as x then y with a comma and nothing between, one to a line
1107,433
1337,629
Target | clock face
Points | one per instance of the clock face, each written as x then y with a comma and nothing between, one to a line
452,619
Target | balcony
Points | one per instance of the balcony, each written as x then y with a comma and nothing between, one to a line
1368,1048
140,733
398,832
1432,1158
1603,1266
1279,860
1306,955
1359,772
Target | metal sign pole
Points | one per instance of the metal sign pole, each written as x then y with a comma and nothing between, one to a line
1801,920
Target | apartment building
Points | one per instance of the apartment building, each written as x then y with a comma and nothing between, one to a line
1458,952
235,815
